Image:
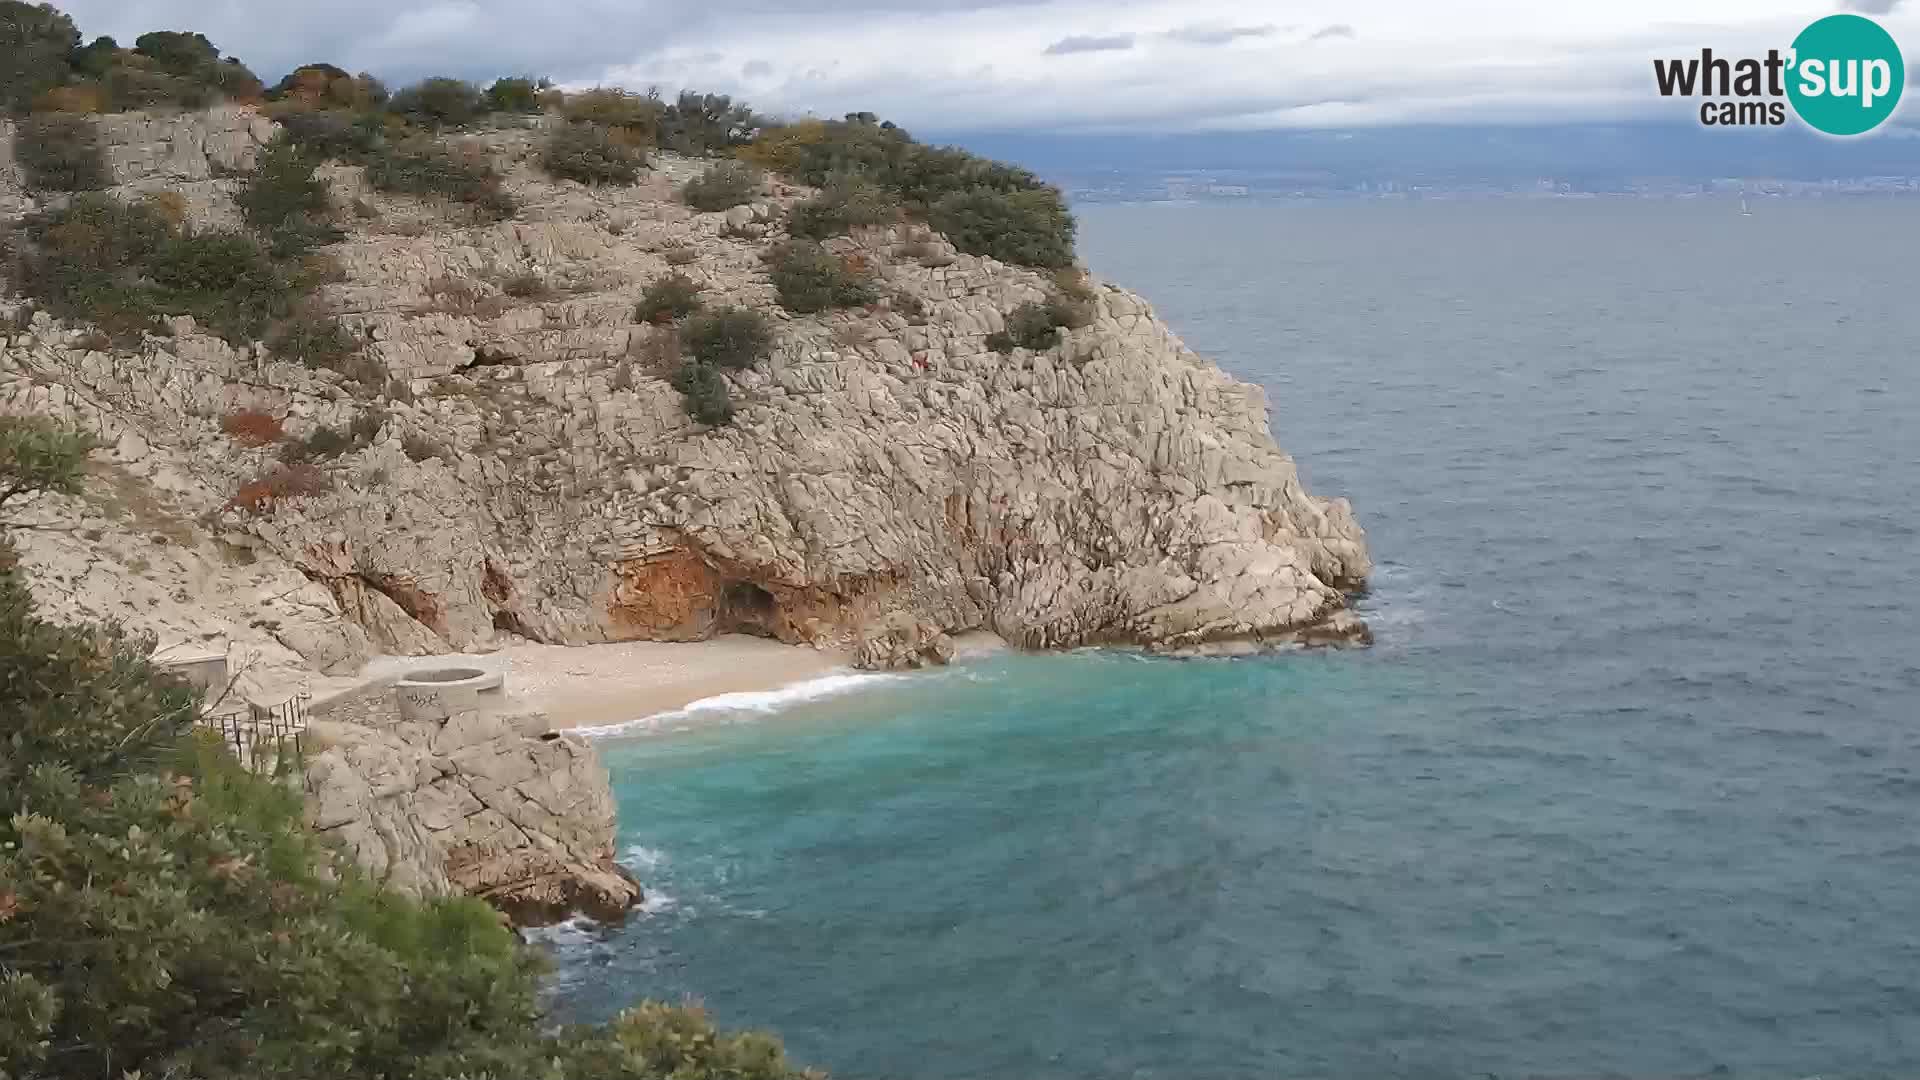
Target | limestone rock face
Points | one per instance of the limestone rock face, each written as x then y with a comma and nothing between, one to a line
534,474
903,642
497,807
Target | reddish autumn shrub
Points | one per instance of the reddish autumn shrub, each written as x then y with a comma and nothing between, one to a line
251,427
259,495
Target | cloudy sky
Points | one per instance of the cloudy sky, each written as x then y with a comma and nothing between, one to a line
1051,65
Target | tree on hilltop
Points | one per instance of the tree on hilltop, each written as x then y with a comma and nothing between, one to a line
35,42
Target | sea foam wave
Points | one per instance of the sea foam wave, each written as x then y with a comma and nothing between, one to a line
752,702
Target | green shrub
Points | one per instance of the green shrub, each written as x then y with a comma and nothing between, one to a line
324,86
35,42
420,448
1027,228
424,167
725,185
334,134
1031,326
704,394
527,286
811,279
39,455
366,426
516,95
847,202
61,152
323,444
175,68
312,337
438,103
122,267
285,202
635,117
700,124
907,304
590,154
1036,325
728,337
674,296
225,280
985,207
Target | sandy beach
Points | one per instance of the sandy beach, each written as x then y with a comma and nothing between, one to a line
599,685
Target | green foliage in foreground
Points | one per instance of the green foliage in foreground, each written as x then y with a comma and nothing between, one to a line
164,913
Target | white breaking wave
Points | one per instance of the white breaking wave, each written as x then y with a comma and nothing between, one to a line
644,858
754,702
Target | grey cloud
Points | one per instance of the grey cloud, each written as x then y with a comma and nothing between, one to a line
754,69
1334,30
1080,43
476,39
1217,35
1871,7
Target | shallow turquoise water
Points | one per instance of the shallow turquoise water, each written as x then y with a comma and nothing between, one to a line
1629,787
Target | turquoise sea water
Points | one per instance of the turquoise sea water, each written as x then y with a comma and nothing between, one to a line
1630,786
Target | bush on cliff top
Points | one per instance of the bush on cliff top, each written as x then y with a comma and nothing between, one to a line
438,103
1026,228
164,912
985,207
323,86
699,124
36,42
43,66
634,119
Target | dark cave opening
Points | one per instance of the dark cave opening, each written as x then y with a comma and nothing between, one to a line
746,608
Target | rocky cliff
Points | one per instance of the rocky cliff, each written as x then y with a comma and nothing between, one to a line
887,479
496,806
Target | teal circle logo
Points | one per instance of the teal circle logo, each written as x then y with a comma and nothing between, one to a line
1846,75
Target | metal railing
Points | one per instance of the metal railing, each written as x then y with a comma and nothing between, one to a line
265,738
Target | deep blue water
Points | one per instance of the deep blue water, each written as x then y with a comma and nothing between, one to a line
1630,786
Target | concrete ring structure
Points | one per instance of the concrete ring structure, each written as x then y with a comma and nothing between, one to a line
437,694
